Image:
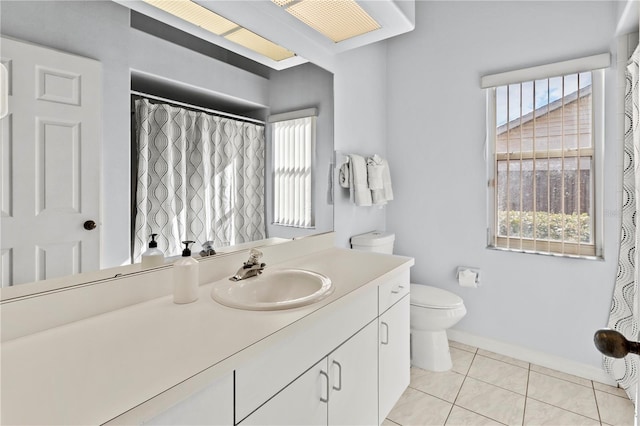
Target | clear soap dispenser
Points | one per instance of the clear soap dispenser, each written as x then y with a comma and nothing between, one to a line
153,256
185,277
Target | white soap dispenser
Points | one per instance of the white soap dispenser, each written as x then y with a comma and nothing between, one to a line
185,277
153,256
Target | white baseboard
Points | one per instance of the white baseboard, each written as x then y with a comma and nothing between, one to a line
535,357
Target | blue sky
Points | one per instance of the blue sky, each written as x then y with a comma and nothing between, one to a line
546,91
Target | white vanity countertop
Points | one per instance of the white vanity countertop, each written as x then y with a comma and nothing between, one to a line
91,371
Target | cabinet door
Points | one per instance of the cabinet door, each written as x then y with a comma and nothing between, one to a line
353,368
212,405
302,402
394,368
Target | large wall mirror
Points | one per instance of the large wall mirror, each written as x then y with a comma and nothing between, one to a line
132,53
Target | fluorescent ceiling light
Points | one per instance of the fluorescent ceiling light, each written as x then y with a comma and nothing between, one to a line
204,18
336,19
196,14
259,44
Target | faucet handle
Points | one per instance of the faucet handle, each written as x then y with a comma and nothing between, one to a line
254,255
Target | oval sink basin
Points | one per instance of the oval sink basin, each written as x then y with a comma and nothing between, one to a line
274,289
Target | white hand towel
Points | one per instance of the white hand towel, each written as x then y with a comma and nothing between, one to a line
386,181
374,172
358,179
343,175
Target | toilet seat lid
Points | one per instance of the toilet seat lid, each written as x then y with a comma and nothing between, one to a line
433,297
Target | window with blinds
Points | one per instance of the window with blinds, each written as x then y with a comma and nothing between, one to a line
293,154
544,170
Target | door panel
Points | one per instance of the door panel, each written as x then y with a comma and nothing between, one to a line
51,148
395,368
303,402
353,372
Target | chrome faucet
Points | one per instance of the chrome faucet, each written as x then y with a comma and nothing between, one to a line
251,267
207,249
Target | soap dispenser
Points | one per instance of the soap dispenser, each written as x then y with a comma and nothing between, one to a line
153,256
185,277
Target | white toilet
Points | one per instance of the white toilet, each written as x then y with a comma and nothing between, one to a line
433,311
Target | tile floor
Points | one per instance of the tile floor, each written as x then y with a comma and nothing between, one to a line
485,388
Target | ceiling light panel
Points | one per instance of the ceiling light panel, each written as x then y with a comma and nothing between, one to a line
338,20
196,14
259,44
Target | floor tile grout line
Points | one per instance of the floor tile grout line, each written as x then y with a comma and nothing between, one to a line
513,364
595,397
565,409
565,380
448,414
460,389
625,397
464,378
481,415
433,396
453,404
499,387
526,395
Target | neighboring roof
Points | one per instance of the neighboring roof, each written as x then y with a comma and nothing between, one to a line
572,97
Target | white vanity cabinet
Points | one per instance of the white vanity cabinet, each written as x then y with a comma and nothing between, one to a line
394,372
341,389
206,363
346,364
212,405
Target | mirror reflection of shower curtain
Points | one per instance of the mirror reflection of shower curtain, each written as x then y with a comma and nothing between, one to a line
624,309
200,177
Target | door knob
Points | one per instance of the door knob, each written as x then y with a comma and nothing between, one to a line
614,344
89,225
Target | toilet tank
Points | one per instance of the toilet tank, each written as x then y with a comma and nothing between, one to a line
376,241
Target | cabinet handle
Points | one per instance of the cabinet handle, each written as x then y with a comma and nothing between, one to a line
385,341
326,376
400,287
339,388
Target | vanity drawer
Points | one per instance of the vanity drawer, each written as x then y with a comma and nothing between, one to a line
392,291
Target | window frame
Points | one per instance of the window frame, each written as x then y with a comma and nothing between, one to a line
297,221
563,249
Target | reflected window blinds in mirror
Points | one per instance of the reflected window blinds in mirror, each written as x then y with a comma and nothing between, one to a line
200,177
294,137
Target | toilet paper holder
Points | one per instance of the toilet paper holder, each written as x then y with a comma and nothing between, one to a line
467,269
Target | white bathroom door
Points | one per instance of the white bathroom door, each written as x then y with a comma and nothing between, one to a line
50,168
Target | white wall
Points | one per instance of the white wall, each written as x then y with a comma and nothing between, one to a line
360,128
436,131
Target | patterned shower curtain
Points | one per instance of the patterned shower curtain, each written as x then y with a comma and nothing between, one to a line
200,178
624,310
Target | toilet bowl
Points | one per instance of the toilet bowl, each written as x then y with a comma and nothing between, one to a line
433,311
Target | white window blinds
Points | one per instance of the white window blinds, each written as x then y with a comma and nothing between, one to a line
545,174
293,153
